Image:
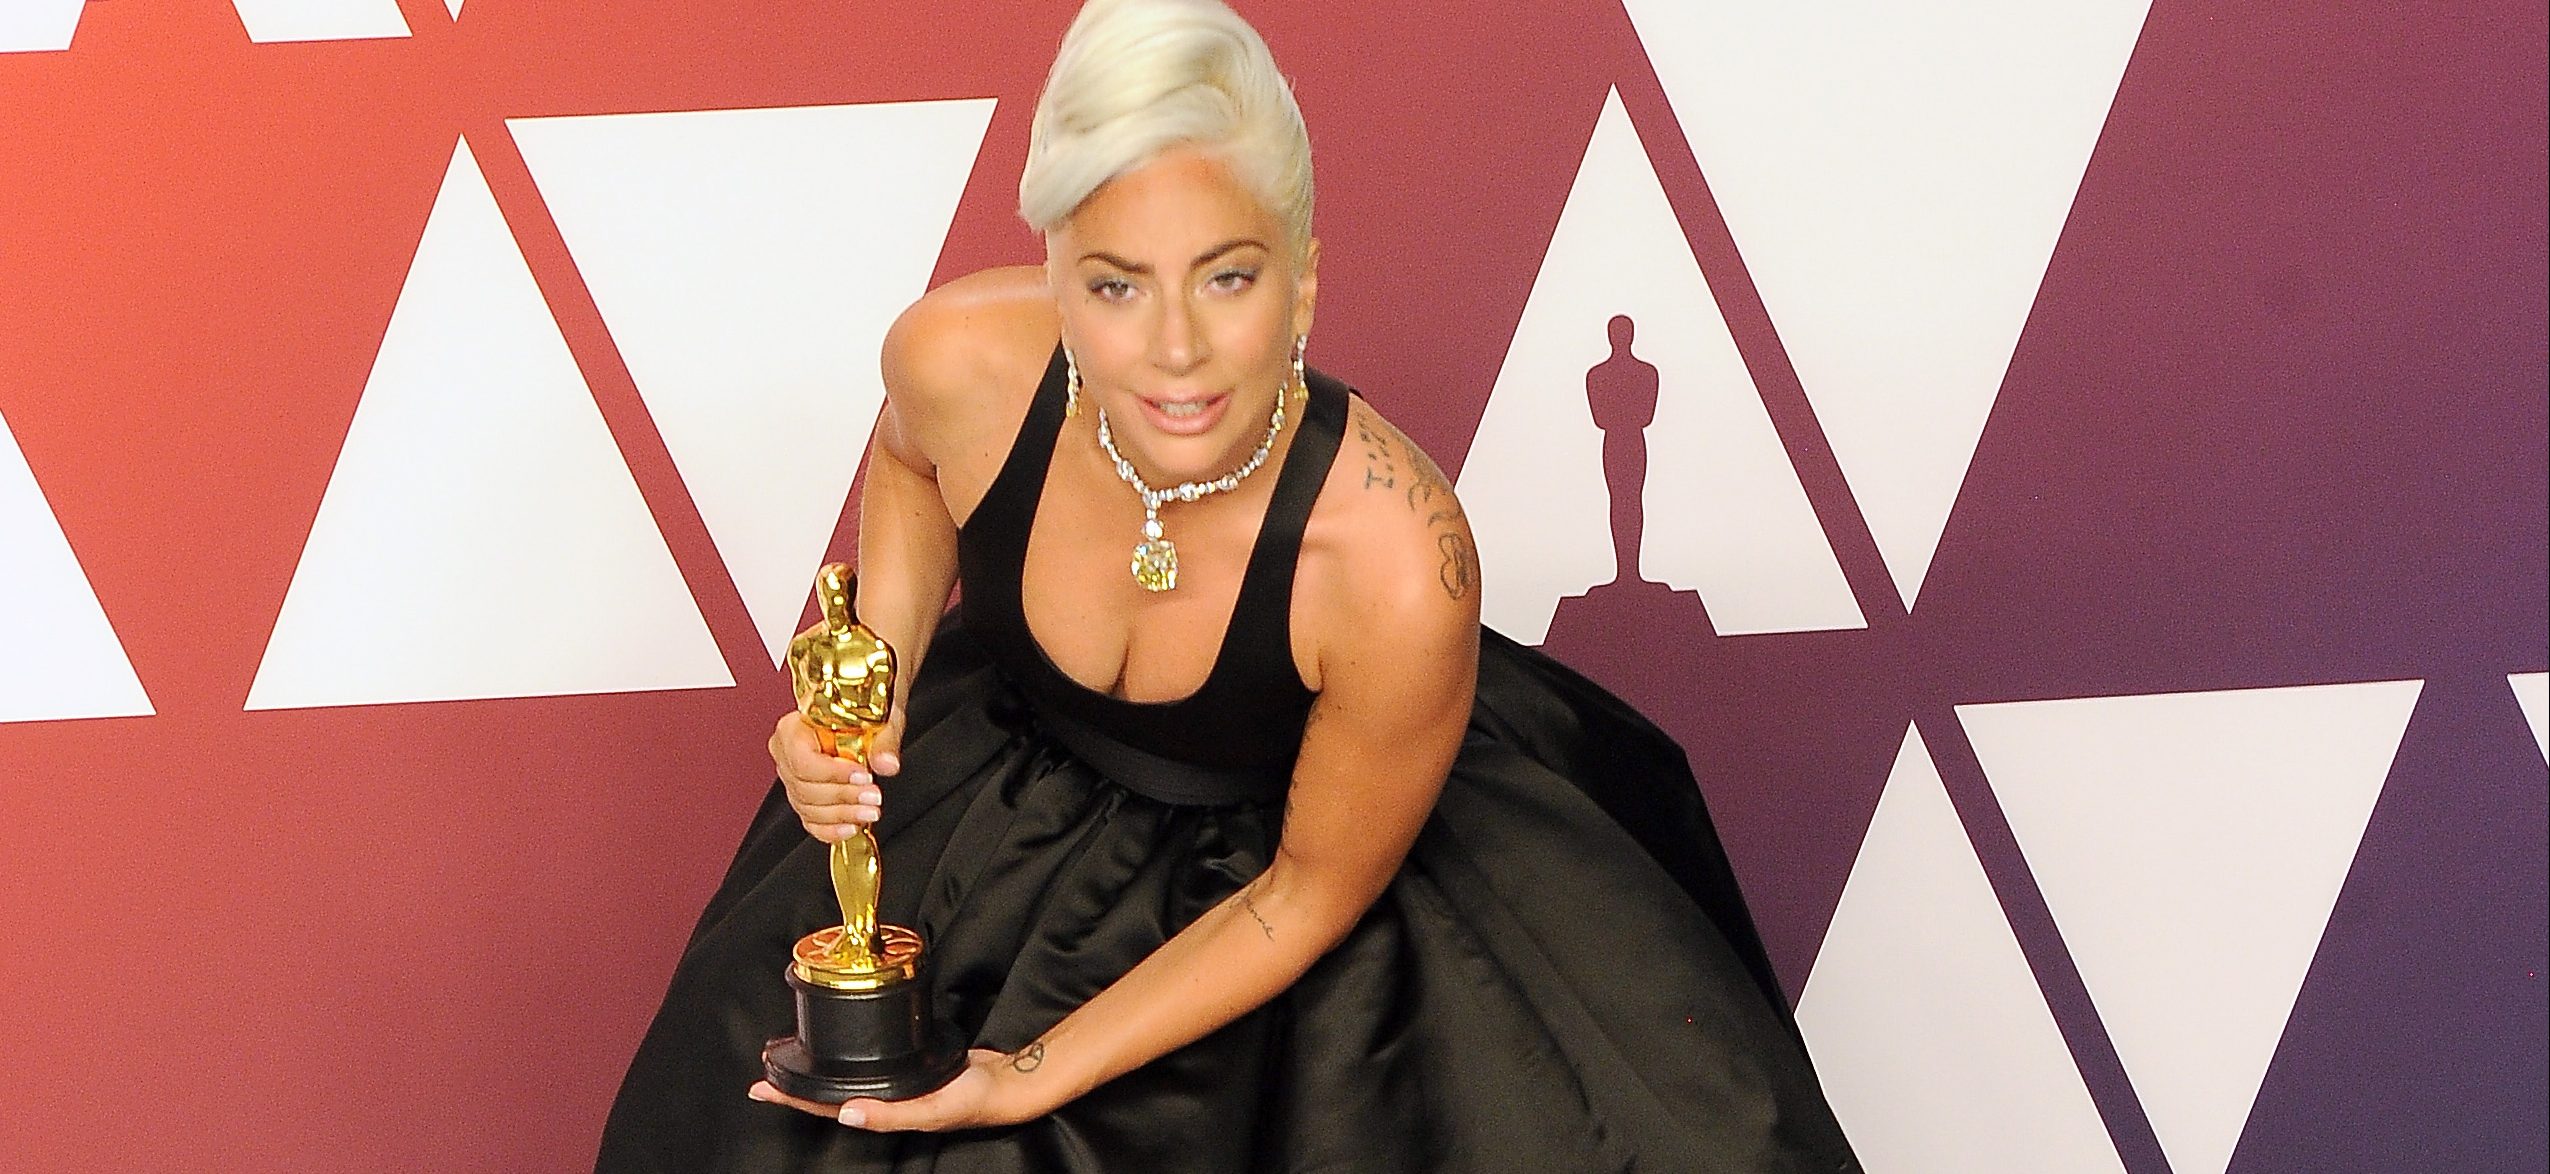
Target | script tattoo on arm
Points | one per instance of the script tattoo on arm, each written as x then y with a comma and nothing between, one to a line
1250,904
1029,1058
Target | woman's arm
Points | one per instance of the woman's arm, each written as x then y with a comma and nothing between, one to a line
1396,681
907,547
1381,740
906,566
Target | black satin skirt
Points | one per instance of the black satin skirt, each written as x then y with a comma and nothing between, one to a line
1561,978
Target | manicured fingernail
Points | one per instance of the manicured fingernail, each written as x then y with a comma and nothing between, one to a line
756,1093
872,797
850,1116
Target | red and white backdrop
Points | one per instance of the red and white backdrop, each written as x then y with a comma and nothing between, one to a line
2092,544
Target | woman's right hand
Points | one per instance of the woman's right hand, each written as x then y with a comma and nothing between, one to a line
833,797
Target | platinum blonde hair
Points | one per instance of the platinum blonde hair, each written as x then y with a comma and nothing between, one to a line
1136,77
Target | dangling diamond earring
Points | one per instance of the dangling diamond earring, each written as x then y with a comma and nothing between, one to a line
1301,383
1071,385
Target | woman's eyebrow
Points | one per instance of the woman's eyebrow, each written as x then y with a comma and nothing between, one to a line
1208,256
1115,261
1202,259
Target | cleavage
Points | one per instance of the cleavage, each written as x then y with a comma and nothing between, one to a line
1086,616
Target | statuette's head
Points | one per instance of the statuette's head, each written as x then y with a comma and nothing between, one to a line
842,672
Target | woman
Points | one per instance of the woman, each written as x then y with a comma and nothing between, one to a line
1235,853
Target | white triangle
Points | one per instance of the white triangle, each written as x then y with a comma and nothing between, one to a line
59,657
1935,1047
36,26
2191,847
2532,692
480,536
453,6
320,20
1895,176
1725,514
748,263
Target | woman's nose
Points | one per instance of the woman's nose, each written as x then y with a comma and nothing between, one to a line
1177,338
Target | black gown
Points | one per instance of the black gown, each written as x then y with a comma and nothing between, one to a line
1562,977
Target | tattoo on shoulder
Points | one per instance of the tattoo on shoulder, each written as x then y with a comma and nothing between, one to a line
1381,466
1029,1058
1460,570
1391,463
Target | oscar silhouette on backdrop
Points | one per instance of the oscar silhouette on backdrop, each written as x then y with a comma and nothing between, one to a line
1615,631
1622,392
1767,722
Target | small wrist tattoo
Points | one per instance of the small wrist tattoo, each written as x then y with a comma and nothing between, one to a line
1029,1058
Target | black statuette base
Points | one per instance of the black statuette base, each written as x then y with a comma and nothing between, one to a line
881,1043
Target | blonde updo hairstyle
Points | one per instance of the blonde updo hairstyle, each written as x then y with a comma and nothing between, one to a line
1136,77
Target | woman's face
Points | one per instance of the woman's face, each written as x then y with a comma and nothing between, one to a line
1180,302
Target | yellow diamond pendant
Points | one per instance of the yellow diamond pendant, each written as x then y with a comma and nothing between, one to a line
1155,558
1155,564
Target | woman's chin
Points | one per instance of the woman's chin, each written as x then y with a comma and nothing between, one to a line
1167,460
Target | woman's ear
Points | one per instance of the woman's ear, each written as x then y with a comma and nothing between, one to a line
1306,289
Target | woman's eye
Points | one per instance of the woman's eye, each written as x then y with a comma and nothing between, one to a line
1111,289
1233,280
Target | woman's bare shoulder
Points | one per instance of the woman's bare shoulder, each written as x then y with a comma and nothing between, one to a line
992,329
1389,526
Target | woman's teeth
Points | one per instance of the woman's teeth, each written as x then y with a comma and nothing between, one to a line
1180,411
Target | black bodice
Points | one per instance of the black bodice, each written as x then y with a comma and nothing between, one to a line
1235,738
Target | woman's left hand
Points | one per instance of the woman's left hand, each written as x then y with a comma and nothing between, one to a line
984,1094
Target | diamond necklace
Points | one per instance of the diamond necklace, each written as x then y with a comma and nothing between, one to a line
1155,558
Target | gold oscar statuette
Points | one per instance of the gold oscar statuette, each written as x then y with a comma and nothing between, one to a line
864,1027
